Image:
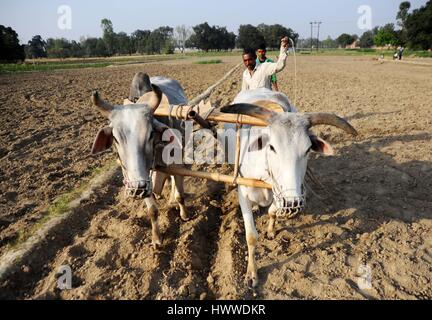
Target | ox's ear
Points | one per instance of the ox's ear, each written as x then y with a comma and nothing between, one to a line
259,143
321,146
103,141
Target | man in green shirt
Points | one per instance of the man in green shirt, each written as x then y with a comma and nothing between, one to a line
261,58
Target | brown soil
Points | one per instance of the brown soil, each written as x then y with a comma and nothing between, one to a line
373,207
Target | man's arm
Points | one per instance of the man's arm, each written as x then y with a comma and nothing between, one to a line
272,68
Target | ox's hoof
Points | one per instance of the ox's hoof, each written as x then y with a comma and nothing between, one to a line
271,235
156,244
184,215
156,241
251,279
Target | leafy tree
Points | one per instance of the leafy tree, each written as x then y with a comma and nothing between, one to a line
346,39
11,50
108,36
201,36
419,27
123,44
89,46
249,37
139,40
274,33
63,48
402,17
327,43
403,13
225,40
386,36
211,38
36,47
367,38
76,49
57,48
160,41
181,35
101,49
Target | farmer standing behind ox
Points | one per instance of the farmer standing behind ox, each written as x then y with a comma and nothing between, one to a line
259,76
262,57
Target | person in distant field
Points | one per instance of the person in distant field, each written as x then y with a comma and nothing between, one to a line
261,58
400,52
258,75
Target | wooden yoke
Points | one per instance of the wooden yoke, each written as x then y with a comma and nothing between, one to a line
187,112
183,112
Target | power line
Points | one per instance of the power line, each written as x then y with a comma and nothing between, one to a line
318,24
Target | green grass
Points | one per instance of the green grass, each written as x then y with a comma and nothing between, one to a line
44,65
420,54
208,62
27,67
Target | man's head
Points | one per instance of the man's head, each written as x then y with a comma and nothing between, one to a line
261,52
249,59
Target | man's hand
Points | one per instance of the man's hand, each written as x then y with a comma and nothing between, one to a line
284,43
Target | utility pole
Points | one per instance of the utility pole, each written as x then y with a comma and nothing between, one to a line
311,23
318,23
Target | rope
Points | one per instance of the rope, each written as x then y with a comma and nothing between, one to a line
295,72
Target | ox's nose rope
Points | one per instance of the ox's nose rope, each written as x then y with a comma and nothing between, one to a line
132,188
287,207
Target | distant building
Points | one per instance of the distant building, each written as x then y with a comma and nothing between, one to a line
354,45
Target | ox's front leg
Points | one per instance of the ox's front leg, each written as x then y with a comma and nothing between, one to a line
179,196
271,225
153,213
251,238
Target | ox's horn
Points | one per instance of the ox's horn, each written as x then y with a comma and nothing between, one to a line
153,98
249,110
104,107
157,97
330,119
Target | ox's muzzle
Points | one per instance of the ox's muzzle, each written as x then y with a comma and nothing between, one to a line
138,189
288,207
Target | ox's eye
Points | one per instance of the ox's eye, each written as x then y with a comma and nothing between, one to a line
272,149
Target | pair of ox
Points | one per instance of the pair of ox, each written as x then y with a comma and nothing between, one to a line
277,154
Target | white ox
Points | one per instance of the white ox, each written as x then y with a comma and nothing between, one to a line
278,155
134,131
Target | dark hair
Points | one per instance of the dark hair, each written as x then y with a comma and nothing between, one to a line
250,52
262,46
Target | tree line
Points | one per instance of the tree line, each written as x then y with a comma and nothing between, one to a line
163,40
412,30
